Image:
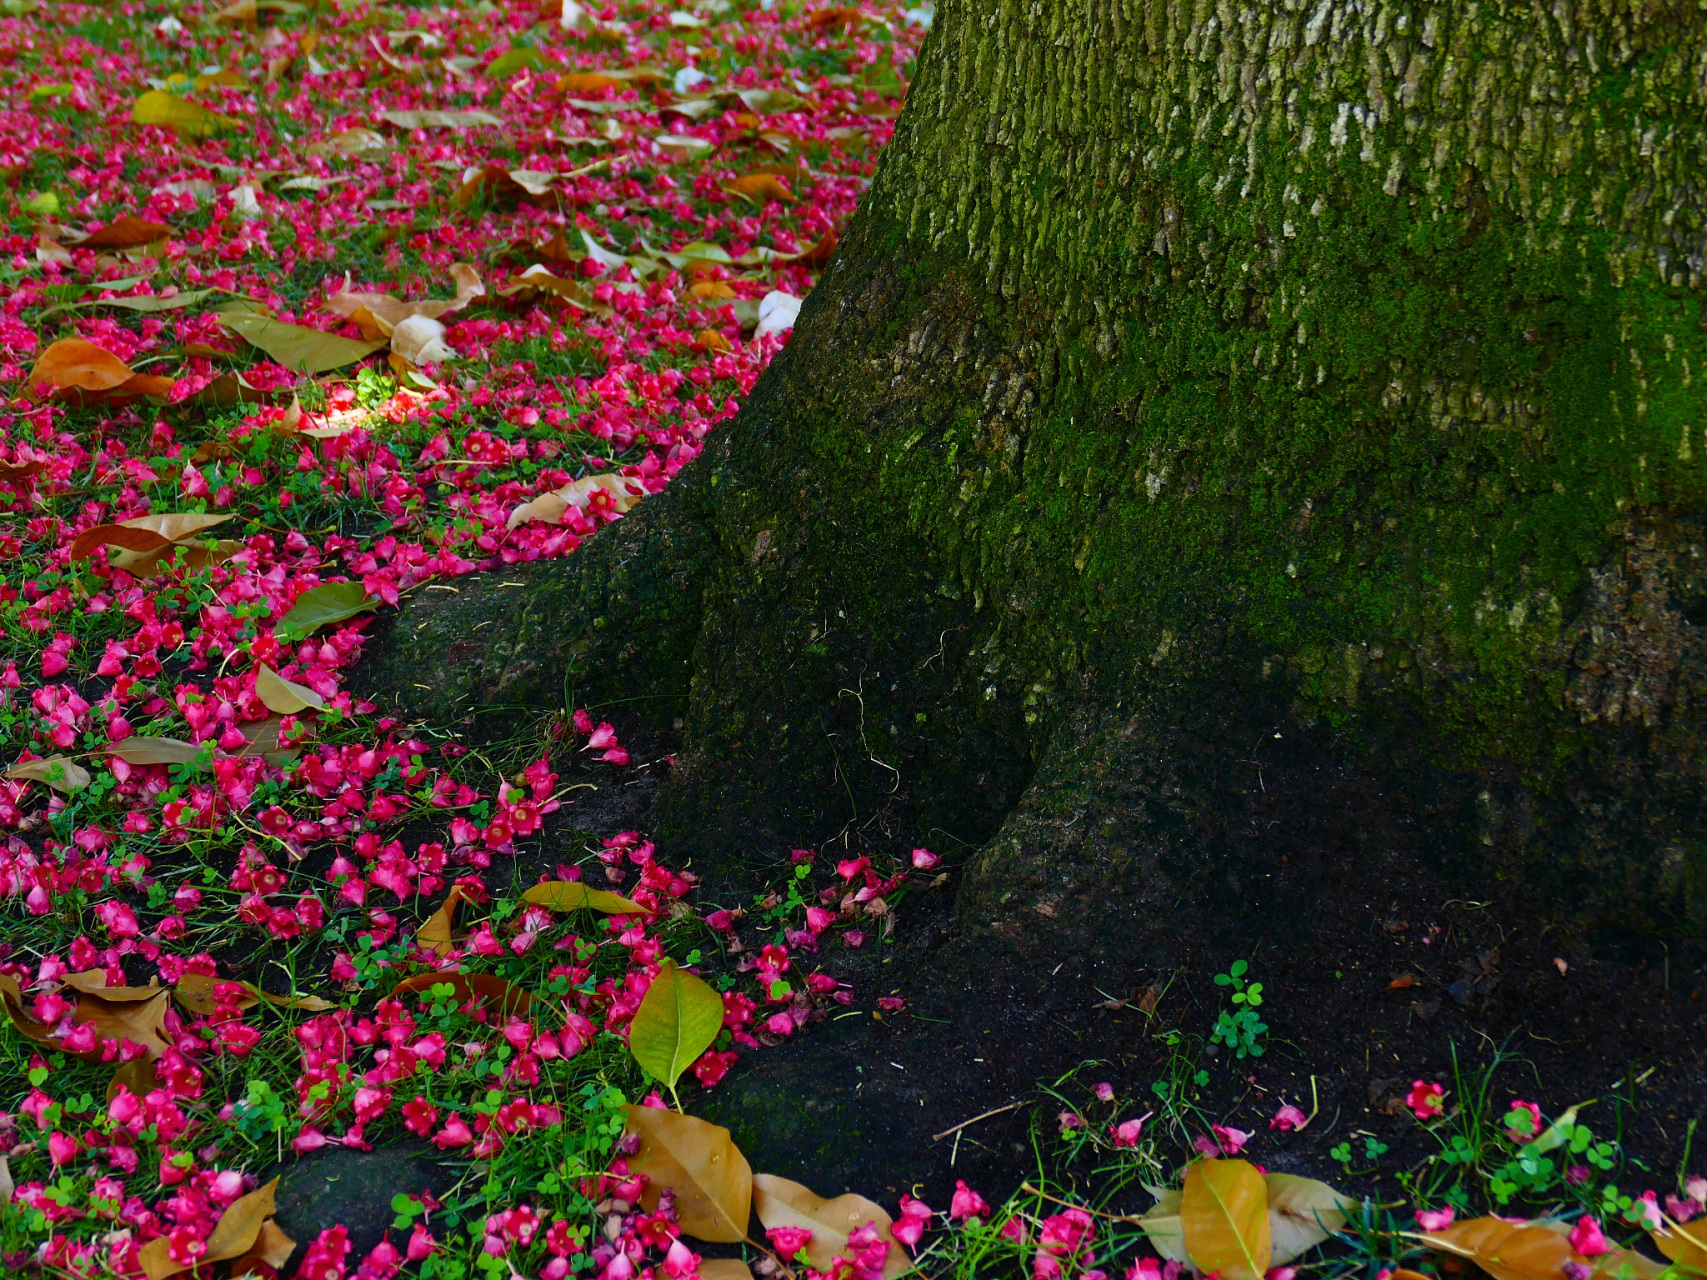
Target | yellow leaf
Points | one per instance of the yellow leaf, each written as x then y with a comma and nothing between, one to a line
677,1021
1224,1217
284,696
1301,1214
781,1203
57,772
698,1161
159,107
572,895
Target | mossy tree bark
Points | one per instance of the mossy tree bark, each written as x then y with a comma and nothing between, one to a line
1225,428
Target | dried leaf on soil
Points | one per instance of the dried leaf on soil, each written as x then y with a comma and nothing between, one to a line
232,1236
56,771
782,1203
677,1020
1224,1217
487,988
351,142
572,895
724,1269
284,696
138,1075
421,340
1301,1214
323,605
700,1163
295,346
83,373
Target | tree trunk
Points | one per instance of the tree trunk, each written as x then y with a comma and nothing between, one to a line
1225,430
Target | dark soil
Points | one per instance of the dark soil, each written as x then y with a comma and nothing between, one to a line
1378,965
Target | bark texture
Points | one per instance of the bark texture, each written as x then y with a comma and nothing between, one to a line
1198,373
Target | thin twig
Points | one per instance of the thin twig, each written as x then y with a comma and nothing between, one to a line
938,1137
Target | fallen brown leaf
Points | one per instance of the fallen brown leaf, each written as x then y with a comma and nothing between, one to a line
701,1164
82,373
56,771
486,988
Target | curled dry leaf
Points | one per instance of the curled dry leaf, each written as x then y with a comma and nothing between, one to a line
284,696
677,1020
421,340
195,991
1301,1214
781,1203
232,1236
498,185
436,932
58,772
714,341
549,508
82,373
698,1161
385,312
483,988
572,895
144,534
1224,1218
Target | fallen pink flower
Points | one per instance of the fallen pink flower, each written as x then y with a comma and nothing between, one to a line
1435,1219
1289,1119
1426,1099
967,1203
1587,1238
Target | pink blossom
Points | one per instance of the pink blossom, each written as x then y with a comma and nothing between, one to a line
1126,1133
1104,1092
1587,1239
1289,1119
967,1203
1426,1099
1523,1121
789,1241
1435,1219
925,860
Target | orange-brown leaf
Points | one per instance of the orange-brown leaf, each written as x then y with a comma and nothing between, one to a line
701,1164
125,233
82,372
436,932
760,188
232,1236
782,1203
1506,1250
486,988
